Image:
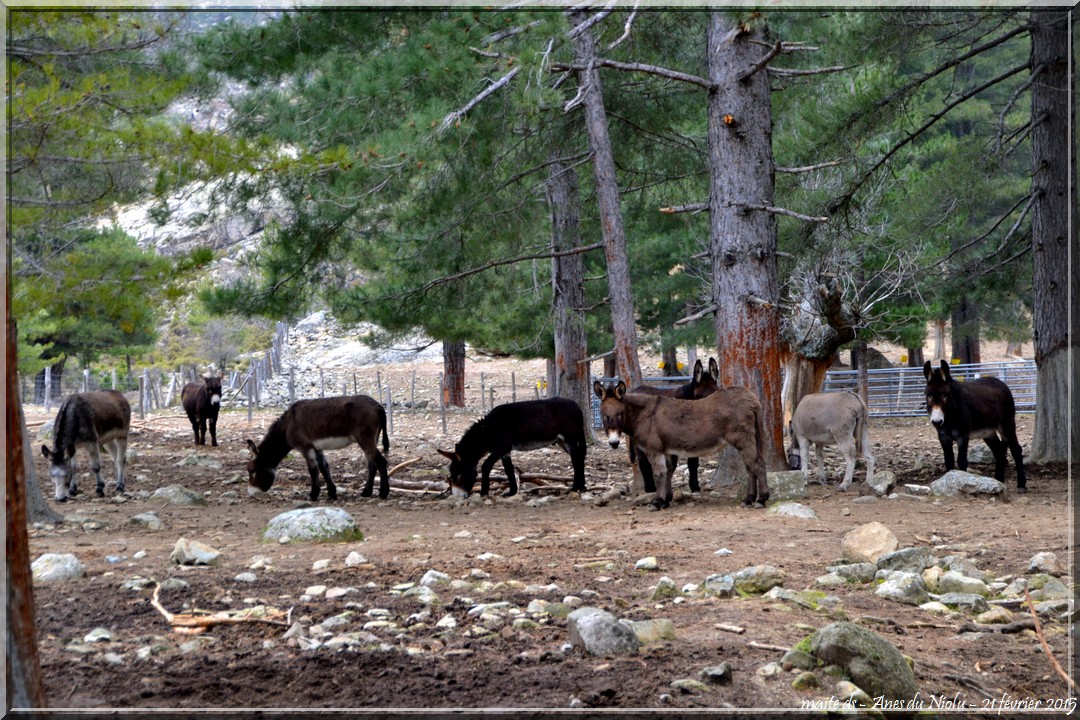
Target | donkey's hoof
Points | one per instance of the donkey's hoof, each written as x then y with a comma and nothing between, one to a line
366,492
1021,489
509,493
99,492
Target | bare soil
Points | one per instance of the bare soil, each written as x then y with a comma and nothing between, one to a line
576,545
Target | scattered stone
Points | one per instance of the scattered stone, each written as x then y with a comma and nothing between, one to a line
874,664
722,552
424,594
994,615
959,482
57,567
652,631
798,659
757,579
965,601
98,635
1052,589
320,565
315,590
917,489
931,576
689,685
850,692
964,566
717,674
136,583
646,563
883,482
805,681
434,577
447,622
720,585
174,584
148,521
903,587
113,658
193,552
336,592
912,559
793,509
770,670
665,589
935,607
599,633
855,572
178,495
318,524
954,582
201,461
1046,562
354,558
868,542
246,577
830,580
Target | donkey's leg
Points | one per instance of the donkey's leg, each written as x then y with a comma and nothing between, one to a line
663,496
384,478
1001,455
118,450
847,449
646,469
95,465
213,431
757,487
313,470
485,469
1018,458
819,450
324,468
804,457
509,468
577,460
202,430
868,456
946,449
961,452
692,469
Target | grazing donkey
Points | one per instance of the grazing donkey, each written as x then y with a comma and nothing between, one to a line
664,426
312,426
980,408
837,418
700,386
201,403
528,425
88,420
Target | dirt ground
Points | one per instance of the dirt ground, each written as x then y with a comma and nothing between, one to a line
586,550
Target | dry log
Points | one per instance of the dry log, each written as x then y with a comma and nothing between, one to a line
400,465
737,629
1013,627
192,624
767,646
1045,646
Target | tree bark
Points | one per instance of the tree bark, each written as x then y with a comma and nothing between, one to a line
915,357
454,373
671,361
24,687
1053,154
965,332
743,242
568,285
607,197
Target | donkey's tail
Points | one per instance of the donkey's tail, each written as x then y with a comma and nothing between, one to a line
382,427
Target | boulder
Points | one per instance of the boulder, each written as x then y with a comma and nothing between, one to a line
903,587
1045,562
178,495
757,579
318,524
720,585
793,509
147,520
883,482
872,663
868,542
786,485
959,482
912,559
955,582
57,567
599,633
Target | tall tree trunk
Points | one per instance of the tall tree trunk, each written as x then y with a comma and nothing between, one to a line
607,198
1053,154
568,285
743,241
671,361
915,357
965,332
24,688
454,373
939,341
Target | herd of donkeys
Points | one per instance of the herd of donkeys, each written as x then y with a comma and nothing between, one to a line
694,420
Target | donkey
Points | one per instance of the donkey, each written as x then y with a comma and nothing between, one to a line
528,425
700,386
663,426
981,408
837,418
88,420
312,426
201,403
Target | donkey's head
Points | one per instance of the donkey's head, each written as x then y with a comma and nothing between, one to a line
938,392
702,385
612,410
62,472
462,474
213,388
259,475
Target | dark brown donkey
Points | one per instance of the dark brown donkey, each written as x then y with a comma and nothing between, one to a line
527,425
981,408
700,386
312,426
201,402
87,421
664,426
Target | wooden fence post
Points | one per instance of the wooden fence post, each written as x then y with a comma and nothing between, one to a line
250,384
48,387
513,386
483,392
322,392
86,380
292,385
442,403
389,411
142,398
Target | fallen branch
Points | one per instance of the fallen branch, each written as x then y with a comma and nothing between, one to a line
391,471
737,629
1046,647
766,646
192,624
1013,627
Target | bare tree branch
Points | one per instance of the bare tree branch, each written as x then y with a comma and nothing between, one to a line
508,32
640,67
762,62
809,168
458,114
696,316
791,72
692,208
1012,100
780,211
578,29
626,28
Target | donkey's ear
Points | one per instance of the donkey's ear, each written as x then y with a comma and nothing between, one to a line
446,454
620,390
926,370
598,389
251,446
698,371
945,370
714,369
45,451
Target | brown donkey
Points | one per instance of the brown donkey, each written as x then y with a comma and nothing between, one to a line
663,426
312,426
